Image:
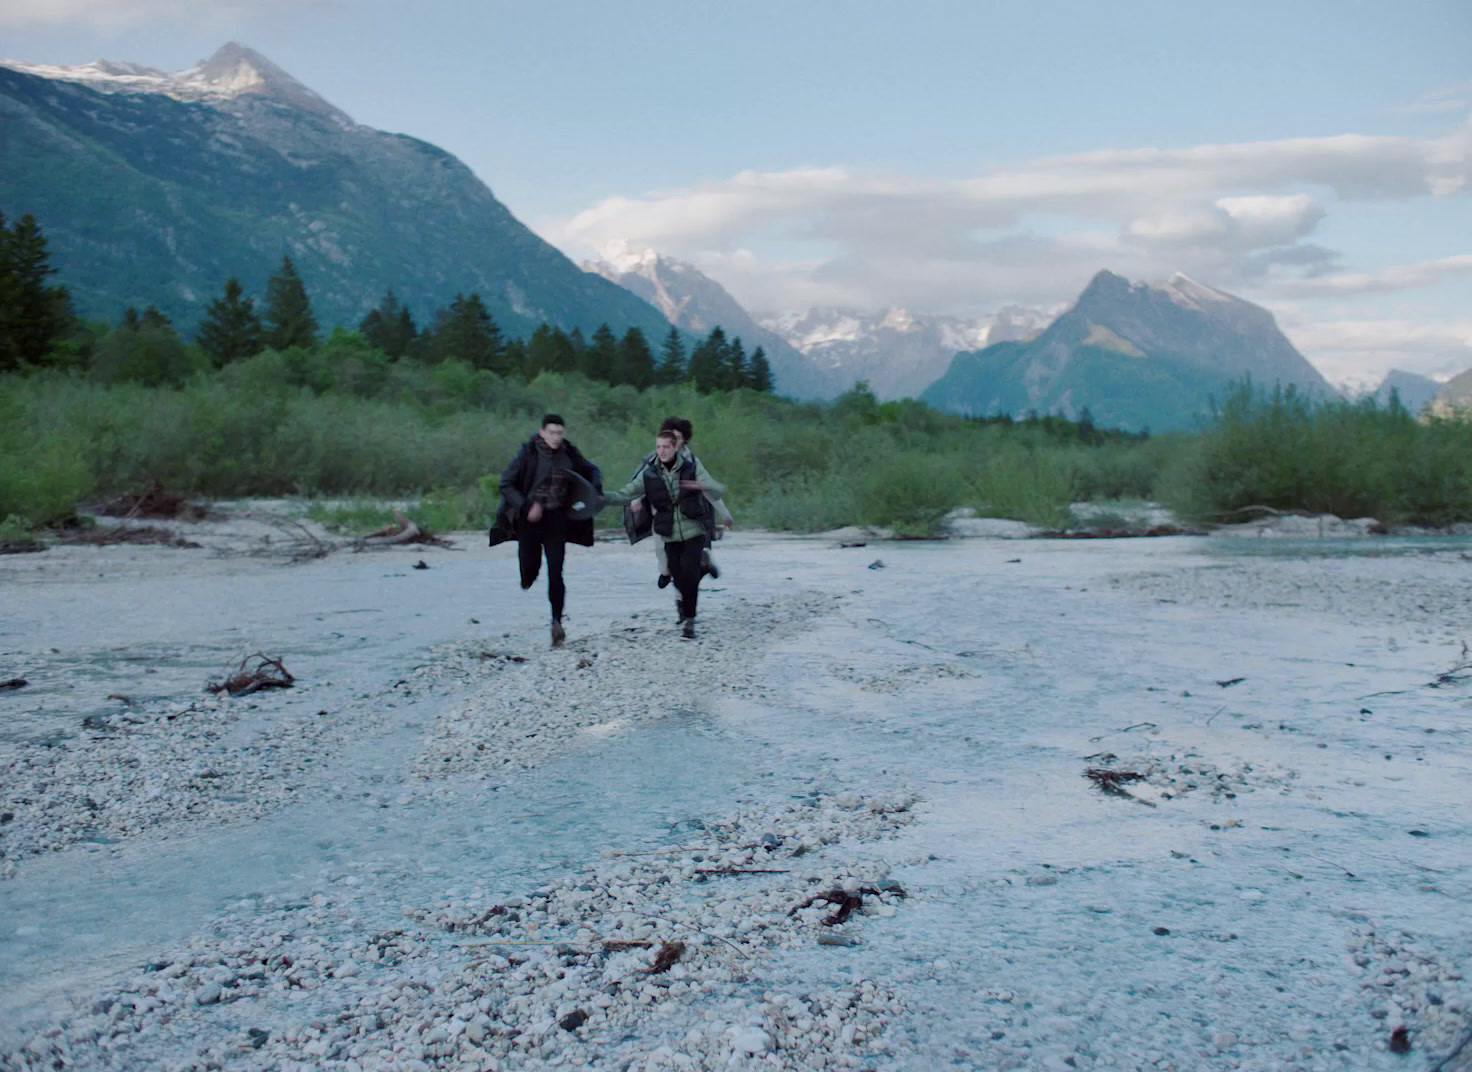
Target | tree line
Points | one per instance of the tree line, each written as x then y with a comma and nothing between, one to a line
39,327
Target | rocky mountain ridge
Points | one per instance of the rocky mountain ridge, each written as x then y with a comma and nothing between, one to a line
155,189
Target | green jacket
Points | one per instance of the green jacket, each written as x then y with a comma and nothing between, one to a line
681,525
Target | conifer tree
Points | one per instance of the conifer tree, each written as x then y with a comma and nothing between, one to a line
636,359
390,327
145,349
600,361
708,361
466,330
550,350
288,317
733,369
671,367
34,315
759,372
231,330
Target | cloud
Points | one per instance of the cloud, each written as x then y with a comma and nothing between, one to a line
1345,349
1388,280
116,14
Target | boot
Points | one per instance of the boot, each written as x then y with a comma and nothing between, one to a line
664,580
687,628
559,634
709,565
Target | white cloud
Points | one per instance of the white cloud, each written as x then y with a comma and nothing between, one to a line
1395,278
116,14
1344,349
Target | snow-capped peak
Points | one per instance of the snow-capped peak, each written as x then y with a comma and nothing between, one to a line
233,71
625,257
1184,290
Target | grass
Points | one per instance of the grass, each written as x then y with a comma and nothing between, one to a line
368,430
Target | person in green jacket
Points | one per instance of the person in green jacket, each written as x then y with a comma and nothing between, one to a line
673,488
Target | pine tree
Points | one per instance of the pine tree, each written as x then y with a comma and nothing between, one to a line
390,327
671,367
466,330
34,316
759,372
636,359
550,350
600,361
708,361
288,318
231,330
733,369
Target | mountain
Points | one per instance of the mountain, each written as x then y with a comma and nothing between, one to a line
1134,355
1453,398
1416,392
155,188
692,300
899,353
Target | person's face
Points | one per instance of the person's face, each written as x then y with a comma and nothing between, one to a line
552,435
665,449
679,439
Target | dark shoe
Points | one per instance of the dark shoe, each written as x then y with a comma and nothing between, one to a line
664,580
708,564
559,634
687,629
679,611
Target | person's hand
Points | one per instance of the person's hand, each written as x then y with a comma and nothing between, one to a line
535,513
730,523
692,485
636,505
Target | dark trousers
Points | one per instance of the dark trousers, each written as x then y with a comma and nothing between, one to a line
548,536
686,567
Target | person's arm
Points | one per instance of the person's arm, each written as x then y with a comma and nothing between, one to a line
712,487
722,513
510,493
629,492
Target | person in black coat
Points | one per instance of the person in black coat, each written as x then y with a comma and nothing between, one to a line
549,494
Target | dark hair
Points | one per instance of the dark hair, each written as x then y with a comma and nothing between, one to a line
670,424
678,424
552,418
667,433
687,429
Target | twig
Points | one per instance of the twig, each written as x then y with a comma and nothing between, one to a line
1218,711
1447,1060
739,871
1331,863
1136,726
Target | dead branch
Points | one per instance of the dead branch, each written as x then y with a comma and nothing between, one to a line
404,530
142,534
154,503
843,902
1456,673
248,679
739,871
1111,783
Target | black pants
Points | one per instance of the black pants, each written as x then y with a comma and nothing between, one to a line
686,568
548,536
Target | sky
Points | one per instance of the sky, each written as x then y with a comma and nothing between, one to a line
945,156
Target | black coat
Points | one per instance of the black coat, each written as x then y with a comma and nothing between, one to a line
520,480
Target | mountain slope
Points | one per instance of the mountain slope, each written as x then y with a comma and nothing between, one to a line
692,300
1133,354
156,188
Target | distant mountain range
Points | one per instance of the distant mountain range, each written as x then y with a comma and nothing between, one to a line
823,352
155,188
694,301
898,353
1133,355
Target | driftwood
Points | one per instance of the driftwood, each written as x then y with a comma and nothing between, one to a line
143,534
154,503
840,899
266,673
1111,782
404,530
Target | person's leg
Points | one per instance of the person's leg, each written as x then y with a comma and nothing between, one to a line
554,540
664,562
686,567
529,552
